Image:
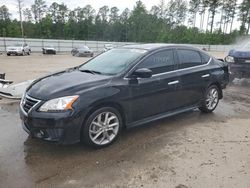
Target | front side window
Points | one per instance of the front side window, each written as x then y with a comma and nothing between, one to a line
159,62
113,61
188,58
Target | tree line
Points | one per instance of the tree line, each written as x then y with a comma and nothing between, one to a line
177,21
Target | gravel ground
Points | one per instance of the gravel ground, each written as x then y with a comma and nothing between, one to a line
191,150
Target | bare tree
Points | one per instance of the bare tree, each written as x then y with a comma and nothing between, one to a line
27,15
20,6
193,10
177,11
213,6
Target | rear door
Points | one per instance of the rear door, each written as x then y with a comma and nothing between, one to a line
194,76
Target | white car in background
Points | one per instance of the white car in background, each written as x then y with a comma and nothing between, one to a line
19,49
108,47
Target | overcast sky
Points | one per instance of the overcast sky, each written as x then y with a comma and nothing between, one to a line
96,4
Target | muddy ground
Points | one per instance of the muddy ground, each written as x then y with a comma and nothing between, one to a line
188,150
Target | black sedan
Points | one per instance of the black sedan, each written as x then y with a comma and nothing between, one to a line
124,87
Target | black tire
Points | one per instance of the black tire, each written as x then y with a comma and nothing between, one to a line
85,136
204,108
8,54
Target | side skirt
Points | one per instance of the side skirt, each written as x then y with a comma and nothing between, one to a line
160,116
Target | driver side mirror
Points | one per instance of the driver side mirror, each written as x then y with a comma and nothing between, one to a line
142,73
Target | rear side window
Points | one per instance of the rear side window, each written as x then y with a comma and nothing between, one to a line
188,58
205,58
159,62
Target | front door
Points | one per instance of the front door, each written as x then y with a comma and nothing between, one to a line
155,95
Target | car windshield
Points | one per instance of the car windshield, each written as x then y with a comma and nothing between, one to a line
84,47
113,62
18,45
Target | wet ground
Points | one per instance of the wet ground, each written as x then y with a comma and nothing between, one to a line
188,150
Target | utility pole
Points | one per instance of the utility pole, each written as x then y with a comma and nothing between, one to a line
20,15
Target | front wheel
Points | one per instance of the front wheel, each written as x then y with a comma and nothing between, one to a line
211,99
102,127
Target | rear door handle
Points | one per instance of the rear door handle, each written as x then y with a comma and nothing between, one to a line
174,82
205,75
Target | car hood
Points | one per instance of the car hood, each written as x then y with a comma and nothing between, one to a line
14,47
239,54
66,83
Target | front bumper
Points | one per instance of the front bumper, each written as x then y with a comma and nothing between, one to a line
63,128
15,52
241,70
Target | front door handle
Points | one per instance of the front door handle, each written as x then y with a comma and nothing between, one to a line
174,82
205,75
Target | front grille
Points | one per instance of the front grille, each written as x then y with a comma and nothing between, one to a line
242,60
28,103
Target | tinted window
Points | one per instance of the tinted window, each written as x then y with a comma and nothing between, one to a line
159,62
188,58
205,58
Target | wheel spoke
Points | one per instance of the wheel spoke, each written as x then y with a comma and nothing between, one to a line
113,125
103,137
111,118
106,118
97,124
97,135
99,118
107,136
95,132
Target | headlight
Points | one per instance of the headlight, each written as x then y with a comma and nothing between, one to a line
59,104
229,59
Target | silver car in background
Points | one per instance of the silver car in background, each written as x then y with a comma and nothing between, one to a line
19,49
82,51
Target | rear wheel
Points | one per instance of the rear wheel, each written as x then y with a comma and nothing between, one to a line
102,127
211,99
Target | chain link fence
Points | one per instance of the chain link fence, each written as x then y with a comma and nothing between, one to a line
65,46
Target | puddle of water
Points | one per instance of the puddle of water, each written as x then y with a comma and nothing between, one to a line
11,107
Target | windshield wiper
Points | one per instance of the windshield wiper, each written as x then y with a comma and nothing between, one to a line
90,71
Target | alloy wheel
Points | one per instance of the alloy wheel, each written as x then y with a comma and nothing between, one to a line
104,128
212,98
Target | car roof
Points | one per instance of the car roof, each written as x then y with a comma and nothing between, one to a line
155,46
